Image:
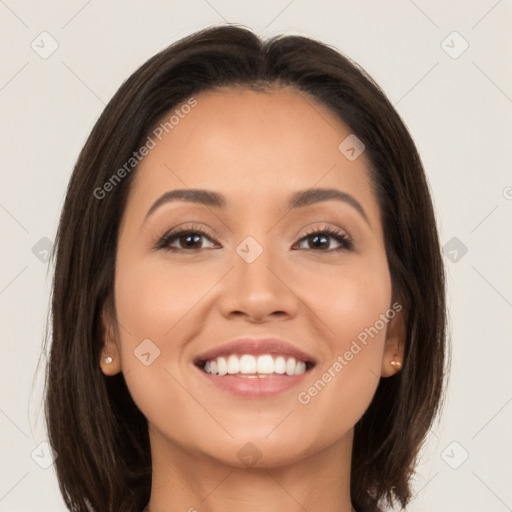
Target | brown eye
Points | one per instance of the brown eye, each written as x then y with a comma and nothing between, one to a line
322,241
184,240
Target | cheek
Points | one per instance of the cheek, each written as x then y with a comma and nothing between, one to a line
158,301
153,296
153,299
354,305
349,299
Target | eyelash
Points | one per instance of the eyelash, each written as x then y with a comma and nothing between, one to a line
346,243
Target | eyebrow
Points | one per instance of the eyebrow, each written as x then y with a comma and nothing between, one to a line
299,199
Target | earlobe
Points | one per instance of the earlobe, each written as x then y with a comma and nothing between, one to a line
108,365
395,346
110,360
396,364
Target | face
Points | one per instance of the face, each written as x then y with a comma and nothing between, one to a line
285,289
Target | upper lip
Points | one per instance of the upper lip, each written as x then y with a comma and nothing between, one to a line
255,347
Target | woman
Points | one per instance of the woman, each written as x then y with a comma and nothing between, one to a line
248,303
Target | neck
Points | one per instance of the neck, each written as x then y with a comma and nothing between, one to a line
189,482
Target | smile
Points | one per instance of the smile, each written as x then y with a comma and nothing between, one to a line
250,366
254,368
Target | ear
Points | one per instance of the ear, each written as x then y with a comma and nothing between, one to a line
110,360
394,345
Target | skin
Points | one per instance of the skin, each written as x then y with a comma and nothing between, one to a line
256,149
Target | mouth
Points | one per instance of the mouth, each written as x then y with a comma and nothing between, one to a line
247,366
255,368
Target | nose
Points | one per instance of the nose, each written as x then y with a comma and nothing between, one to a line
259,291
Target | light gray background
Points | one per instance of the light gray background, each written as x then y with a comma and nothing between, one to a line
457,109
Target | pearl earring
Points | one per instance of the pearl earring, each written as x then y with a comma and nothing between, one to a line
107,360
397,365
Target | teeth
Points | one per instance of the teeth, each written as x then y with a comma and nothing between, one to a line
222,366
265,364
290,366
300,368
233,365
249,366
280,365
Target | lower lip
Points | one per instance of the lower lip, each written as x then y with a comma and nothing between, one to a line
254,387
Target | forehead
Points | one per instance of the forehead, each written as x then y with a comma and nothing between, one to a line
250,144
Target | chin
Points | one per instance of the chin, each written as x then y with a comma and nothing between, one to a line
260,450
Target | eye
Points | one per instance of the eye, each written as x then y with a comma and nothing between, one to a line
184,239
191,238
320,240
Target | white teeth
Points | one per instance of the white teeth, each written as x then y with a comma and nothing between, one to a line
290,366
265,364
222,366
250,366
280,365
300,367
247,364
233,365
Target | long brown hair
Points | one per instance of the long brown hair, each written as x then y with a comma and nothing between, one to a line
101,437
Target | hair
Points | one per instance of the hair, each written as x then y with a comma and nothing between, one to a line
101,437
